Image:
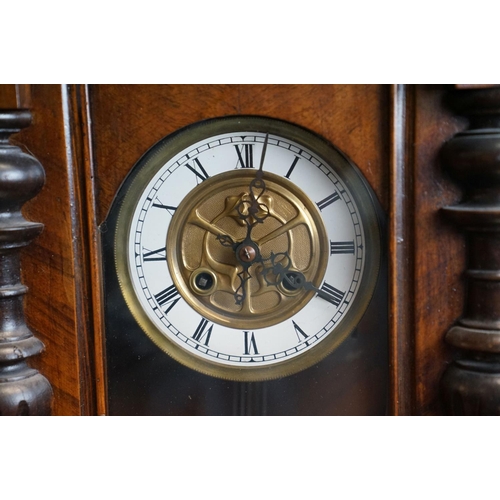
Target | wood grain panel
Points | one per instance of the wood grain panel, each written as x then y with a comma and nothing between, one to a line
8,98
49,264
127,120
439,250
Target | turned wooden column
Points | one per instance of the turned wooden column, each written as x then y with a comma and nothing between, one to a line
23,390
471,383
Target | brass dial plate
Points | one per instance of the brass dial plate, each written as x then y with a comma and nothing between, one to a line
294,229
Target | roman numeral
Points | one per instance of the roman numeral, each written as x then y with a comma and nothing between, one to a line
331,294
328,200
155,255
202,173
299,332
202,332
245,155
168,296
164,207
250,343
290,170
341,247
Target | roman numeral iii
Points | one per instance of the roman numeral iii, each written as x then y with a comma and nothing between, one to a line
341,247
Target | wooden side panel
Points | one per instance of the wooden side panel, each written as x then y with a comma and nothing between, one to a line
439,250
49,264
400,248
8,98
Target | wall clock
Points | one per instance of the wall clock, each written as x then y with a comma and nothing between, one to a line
246,248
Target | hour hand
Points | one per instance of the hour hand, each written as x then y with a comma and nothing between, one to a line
226,241
247,253
254,212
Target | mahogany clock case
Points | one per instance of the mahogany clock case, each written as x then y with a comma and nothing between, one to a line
88,138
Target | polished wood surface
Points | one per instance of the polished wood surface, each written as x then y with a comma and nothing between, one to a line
51,265
426,284
127,120
400,250
88,138
438,250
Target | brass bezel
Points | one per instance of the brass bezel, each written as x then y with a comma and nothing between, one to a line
359,189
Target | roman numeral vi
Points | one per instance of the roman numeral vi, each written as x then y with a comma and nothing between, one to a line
250,343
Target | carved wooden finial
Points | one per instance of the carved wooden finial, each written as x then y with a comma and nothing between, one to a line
472,383
23,390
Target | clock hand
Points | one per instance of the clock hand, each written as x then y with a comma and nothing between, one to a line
251,213
226,241
247,253
294,280
258,182
280,265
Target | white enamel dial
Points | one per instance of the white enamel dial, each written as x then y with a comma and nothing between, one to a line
188,303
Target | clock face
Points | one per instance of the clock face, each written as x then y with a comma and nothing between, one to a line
247,248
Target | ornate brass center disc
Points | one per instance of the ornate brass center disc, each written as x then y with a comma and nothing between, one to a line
210,273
